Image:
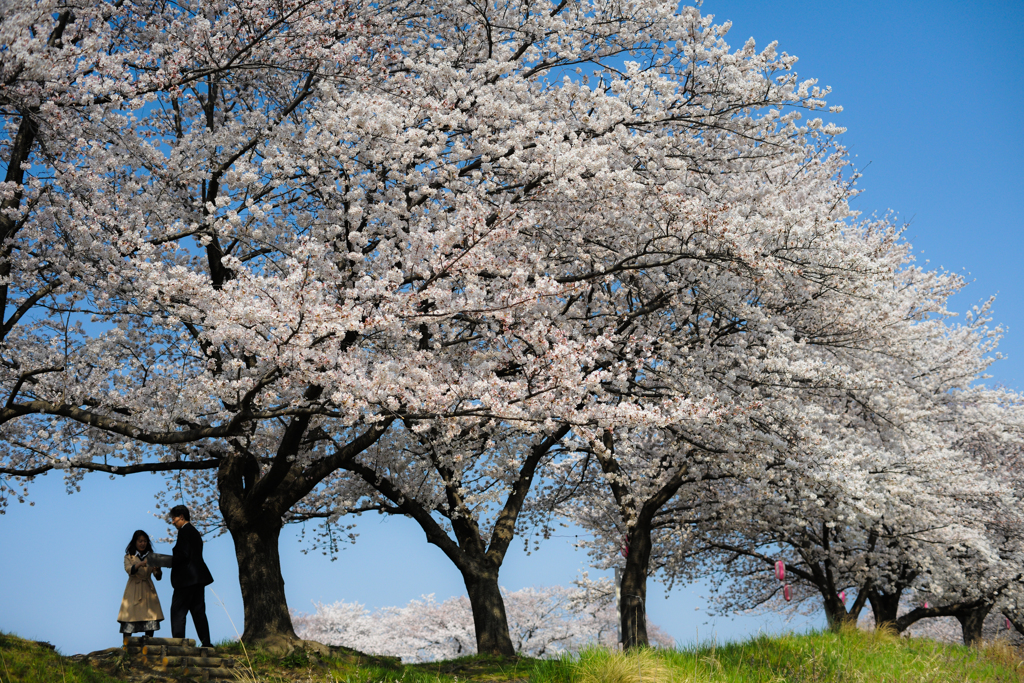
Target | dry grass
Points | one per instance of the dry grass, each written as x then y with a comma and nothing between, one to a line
1004,654
600,665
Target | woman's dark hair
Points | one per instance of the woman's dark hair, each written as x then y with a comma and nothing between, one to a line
130,550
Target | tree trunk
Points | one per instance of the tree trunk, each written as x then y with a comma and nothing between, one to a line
267,620
478,560
633,589
836,614
1016,620
971,621
253,505
489,619
885,607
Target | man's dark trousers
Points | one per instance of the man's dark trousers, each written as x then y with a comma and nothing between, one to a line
190,576
190,599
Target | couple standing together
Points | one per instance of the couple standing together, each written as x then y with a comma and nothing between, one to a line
140,606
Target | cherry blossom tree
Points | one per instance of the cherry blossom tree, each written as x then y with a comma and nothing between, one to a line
930,522
952,544
328,256
423,630
993,581
121,143
544,622
249,240
448,486
466,490
821,461
1005,458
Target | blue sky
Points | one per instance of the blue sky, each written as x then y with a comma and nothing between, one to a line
933,100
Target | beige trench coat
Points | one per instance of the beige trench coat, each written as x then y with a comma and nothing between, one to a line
140,601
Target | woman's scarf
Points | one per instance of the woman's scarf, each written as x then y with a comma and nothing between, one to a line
138,587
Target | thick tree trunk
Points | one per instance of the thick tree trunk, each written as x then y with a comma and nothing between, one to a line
633,589
253,504
836,614
255,530
489,619
885,607
267,620
971,621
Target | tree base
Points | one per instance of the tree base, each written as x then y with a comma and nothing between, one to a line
281,645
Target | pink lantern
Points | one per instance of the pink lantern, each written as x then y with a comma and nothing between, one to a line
786,593
842,597
780,570
926,605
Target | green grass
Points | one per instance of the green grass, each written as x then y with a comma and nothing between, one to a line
26,661
849,657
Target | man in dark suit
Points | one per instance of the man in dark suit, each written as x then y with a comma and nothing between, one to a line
189,577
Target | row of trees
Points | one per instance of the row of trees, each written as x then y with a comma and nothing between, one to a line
486,267
543,622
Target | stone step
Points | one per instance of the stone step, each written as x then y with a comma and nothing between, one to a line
159,650
205,662
176,642
175,651
222,673
198,672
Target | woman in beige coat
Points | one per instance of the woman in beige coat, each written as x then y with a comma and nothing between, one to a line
140,606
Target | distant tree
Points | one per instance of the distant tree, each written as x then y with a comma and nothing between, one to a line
543,622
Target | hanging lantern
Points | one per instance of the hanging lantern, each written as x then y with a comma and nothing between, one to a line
780,570
786,593
926,605
842,597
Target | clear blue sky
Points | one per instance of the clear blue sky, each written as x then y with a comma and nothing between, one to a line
933,99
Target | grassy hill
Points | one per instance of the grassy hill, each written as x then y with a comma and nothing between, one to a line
849,657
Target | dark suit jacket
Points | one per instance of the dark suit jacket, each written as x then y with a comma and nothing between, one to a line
187,566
